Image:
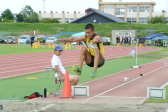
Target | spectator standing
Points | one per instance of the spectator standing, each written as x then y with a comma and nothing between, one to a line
32,40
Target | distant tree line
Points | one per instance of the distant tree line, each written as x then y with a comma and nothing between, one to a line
26,15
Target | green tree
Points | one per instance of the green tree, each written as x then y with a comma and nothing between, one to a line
19,17
157,19
7,14
32,19
27,15
26,11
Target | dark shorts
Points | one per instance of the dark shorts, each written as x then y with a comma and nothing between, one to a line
92,62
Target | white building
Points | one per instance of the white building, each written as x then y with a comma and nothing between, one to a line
133,12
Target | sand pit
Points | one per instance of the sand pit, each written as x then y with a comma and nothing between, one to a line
66,107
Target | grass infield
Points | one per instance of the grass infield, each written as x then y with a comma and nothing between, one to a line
23,49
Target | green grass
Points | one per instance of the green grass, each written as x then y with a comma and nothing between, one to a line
106,28
161,52
19,49
20,86
154,100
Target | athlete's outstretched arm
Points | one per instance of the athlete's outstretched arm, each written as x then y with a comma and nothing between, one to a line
73,39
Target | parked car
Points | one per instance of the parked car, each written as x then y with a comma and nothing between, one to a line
106,40
51,40
10,40
2,39
24,39
43,40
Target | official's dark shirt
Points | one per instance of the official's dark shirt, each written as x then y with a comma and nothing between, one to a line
32,38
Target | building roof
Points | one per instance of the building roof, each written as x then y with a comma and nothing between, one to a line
101,13
127,3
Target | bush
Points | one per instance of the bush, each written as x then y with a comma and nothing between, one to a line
48,20
4,20
157,19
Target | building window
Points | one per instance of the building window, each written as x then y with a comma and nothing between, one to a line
131,20
120,11
59,19
107,9
143,20
144,8
166,18
132,9
71,19
121,18
68,20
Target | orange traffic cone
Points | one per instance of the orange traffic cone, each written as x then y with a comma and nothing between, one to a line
67,87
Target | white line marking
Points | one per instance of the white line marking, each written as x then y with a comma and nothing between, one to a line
118,97
35,64
142,101
26,73
167,110
119,72
106,76
121,85
109,75
47,106
164,85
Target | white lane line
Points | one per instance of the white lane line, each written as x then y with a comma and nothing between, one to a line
39,59
42,109
167,110
47,106
44,61
118,97
121,85
164,85
118,72
104,76
41,63
142,101
26,73
21,69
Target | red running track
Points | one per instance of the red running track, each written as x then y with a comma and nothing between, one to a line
21,64
114,90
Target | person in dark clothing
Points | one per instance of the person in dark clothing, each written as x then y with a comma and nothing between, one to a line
32,40
122,39
118,39
129,40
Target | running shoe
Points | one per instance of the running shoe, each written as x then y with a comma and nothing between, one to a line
77,70
93,75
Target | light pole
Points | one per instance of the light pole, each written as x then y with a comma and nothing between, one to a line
43,5
136,66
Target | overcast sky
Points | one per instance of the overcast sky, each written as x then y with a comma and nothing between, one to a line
67,5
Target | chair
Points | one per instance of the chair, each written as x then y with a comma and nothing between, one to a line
58,84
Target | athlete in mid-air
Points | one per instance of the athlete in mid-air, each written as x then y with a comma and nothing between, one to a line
92,53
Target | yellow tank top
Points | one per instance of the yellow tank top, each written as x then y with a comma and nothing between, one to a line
98,45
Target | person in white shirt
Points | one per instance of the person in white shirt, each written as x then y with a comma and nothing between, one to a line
132,53
60,70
